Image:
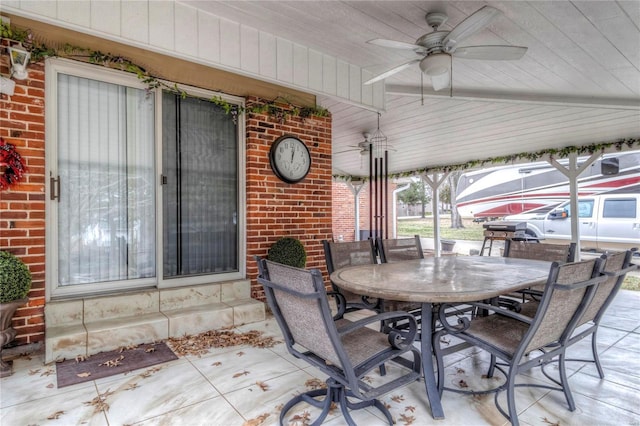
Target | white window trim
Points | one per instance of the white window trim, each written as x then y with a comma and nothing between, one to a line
54,66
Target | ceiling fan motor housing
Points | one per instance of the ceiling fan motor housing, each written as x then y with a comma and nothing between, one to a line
432,42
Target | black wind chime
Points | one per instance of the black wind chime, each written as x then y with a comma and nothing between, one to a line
378,184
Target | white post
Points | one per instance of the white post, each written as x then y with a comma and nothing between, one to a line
572,172
434,181
356,186
394,208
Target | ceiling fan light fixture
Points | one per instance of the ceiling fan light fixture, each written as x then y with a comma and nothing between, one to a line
435,65
441,81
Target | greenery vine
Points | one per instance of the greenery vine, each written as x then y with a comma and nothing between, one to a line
528,156
280,108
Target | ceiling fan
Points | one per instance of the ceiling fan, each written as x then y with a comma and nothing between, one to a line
363,146
436,49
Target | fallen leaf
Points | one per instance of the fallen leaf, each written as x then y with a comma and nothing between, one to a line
47,372
408,420
33,372
85,374
315,384
56,415
257,421
460,370
149,372
132,386
112,362
244,373
397,398
410,408
199,344
216,364
263,386
549,422
150,350
300,419
463,384
50,386
80,358
240,353
99,402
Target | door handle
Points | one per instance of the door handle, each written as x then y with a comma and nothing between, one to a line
54,188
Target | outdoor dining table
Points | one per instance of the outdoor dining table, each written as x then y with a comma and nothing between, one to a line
436,280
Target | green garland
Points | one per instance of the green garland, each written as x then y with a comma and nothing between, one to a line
40,51
529,156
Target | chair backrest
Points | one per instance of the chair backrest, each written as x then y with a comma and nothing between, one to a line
340,255
568,291
399,249
298,300
616,266
540,251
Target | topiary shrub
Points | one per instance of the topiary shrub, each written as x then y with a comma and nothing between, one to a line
15,278
288,251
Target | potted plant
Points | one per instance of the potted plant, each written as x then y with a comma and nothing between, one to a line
288,251
15,282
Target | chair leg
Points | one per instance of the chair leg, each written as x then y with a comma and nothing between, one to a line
511,398
492,366
596,357
564,383
335,393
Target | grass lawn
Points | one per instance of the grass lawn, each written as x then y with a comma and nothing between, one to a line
472,232
424,228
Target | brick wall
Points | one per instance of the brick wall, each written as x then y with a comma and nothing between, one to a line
344,210
277,209
22,205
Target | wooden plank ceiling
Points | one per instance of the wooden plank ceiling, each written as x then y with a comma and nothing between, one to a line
579,82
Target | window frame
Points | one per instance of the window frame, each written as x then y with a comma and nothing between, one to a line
55,66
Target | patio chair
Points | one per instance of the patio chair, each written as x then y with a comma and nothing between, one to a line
560,253
616,266
343,350
341,254
399,249
510,336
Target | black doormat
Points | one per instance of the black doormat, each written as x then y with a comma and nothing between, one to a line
105,364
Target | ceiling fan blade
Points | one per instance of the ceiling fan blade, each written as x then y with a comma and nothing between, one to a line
441,81
397,45
491,53
392,71
471,25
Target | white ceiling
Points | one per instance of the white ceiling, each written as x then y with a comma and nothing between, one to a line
579,82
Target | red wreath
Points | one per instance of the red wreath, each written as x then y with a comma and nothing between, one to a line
12,163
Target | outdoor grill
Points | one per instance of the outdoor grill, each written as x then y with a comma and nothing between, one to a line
502,230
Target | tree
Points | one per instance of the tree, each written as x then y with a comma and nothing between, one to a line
417,193
456,220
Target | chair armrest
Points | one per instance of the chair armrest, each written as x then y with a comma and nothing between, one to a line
341,304
623,271
397,338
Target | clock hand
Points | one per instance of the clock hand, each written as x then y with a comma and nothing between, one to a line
293,152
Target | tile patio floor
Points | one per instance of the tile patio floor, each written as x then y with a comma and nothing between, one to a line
209,391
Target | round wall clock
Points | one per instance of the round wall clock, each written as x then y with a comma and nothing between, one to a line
290,159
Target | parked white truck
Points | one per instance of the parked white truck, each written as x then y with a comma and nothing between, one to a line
608,221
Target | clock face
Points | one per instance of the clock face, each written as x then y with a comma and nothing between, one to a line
290,159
